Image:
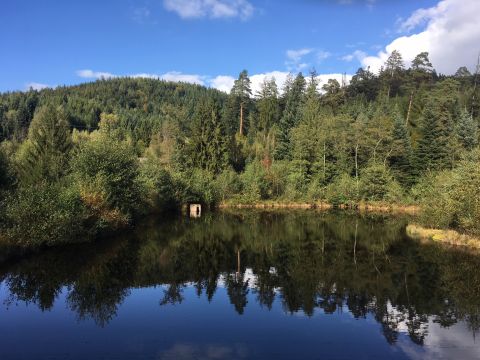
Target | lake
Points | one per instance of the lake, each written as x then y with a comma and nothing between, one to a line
296,284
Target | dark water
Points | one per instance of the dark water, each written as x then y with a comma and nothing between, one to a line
293,285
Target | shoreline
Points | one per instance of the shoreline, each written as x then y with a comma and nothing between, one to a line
445,237
362,207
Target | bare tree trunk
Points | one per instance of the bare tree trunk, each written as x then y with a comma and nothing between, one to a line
477,71
409,108
238,261
355,244
241,118
356,166
324,161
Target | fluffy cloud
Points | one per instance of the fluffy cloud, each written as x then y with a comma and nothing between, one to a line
221,82
295,58
90,74
450,34
215,9
36,86
169,76
281,77
178,76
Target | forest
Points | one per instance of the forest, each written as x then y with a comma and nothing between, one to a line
80,161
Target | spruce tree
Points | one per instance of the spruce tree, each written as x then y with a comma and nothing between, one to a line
433,149
467,131
207,147
293,96
267,105
46,152
242,91
401,157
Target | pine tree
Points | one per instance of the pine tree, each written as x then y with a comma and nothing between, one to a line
267,105
207,147
392,73
467,131
45,154
241,91
401,157
433,149
293,96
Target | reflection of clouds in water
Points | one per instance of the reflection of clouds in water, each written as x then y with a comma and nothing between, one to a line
454,342
185,351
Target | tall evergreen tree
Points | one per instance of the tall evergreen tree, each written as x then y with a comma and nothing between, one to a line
242,91
267,105
45,155
433,149
293,96
467,130
401,156
207,147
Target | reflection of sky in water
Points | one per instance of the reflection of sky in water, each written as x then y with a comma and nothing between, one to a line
197,329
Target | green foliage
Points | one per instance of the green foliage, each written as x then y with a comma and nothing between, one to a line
450,198
342,191
196,186
54,213
6,177
157,185
377,184
467,131
107,171
401,157
144,143
254,183
207,147
434,145
45,154
228,184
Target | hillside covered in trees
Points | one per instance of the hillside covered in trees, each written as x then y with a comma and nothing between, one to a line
82,160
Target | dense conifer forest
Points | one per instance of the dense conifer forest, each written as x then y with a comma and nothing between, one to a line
78,161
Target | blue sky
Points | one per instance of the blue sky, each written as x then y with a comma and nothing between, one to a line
48,42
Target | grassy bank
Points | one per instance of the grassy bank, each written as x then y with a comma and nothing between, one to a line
450,237
367,207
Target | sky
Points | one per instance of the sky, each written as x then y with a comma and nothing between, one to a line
47,43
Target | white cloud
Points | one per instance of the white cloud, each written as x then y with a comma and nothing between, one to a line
357,54
451,35
322,55
223,83
295,58
281,77
215,9
297,55
36,86
141,15
89,74
169,76
178,76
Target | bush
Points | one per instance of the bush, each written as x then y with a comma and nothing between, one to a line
377,184
157,185
5,172
254,184
45,215
451,198
107,174
197,186
228,184
343,191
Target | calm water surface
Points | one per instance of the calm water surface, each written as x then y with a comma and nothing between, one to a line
246,285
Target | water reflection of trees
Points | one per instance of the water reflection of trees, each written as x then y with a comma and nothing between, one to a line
308,261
